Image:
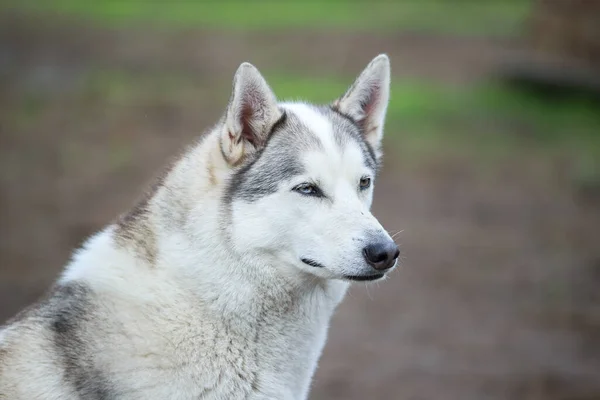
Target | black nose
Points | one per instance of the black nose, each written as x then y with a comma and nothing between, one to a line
381,255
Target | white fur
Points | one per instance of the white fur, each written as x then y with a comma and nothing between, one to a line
218,313
325,230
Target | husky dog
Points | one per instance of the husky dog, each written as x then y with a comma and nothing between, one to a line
220,284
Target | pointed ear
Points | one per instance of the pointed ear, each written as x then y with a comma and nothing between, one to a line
367,99
250,115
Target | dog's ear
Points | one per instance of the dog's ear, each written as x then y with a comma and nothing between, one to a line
250,115
366,101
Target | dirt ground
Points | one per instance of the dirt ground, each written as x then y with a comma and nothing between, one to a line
497,297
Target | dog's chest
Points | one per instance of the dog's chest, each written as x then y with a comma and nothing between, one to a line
262,352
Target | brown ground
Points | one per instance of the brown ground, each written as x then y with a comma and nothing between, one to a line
497,297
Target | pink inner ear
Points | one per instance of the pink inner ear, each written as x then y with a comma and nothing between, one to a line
369,103
246,116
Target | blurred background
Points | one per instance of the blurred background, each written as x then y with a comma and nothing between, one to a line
492,166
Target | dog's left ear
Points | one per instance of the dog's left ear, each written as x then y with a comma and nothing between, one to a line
251,113
367,99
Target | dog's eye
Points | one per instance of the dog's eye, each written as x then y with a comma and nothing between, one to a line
365,182
308,189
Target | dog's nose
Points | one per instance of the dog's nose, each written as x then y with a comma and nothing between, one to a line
381,255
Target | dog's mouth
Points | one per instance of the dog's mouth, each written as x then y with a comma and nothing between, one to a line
356,278
363,278
312,263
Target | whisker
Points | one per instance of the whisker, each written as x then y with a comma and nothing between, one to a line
368,293
397,233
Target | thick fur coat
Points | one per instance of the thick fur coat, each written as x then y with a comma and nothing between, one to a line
221,282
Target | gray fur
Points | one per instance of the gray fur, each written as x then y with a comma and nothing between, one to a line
275,163
278,160
162,305
133,227
345,129
68,314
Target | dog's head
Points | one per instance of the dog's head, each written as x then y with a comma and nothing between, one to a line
302,177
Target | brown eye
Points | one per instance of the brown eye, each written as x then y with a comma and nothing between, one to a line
365,182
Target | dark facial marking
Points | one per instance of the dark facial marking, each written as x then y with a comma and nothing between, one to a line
276,162
346,128
278,124
347,118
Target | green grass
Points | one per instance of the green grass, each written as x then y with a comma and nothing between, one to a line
484,121
493,17
487,125
490,108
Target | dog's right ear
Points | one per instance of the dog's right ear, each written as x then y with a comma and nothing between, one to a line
251,113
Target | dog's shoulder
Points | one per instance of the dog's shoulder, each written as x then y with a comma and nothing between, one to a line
49,340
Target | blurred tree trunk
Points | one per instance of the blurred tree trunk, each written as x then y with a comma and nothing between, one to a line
562,48
568,29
